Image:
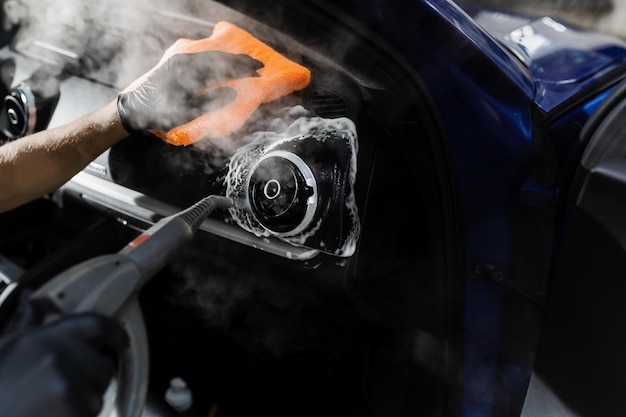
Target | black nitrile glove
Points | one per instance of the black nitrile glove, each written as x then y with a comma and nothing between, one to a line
169,96
61,369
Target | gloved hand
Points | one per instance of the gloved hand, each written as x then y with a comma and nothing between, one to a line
61,369
182,89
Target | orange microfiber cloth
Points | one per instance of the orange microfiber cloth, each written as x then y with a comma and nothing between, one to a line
278,77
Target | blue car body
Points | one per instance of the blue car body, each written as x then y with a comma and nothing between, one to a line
512,92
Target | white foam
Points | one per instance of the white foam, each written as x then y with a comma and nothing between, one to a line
260,143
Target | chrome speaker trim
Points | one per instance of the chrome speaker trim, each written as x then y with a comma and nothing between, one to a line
309,178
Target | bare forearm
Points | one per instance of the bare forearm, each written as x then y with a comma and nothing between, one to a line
38,164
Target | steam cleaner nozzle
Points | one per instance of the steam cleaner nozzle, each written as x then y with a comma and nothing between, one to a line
196,214
155,247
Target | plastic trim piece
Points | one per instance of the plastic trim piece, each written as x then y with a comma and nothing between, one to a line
127,202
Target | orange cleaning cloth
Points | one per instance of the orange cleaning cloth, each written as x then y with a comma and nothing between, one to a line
278,77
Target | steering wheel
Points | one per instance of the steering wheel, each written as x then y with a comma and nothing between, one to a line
109,282
110,285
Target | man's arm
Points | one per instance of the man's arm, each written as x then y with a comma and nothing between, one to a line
38,164
170,94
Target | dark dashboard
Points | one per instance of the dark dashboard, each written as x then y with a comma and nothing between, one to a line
108,59
315,174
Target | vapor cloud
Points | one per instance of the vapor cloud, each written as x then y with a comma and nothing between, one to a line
264,308
113,41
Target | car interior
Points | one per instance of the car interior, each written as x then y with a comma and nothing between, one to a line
355,316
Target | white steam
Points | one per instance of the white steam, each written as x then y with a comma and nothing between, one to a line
108,40
112,41
259,306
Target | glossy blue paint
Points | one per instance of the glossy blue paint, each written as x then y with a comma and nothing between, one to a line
563,60
593,104
507,89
